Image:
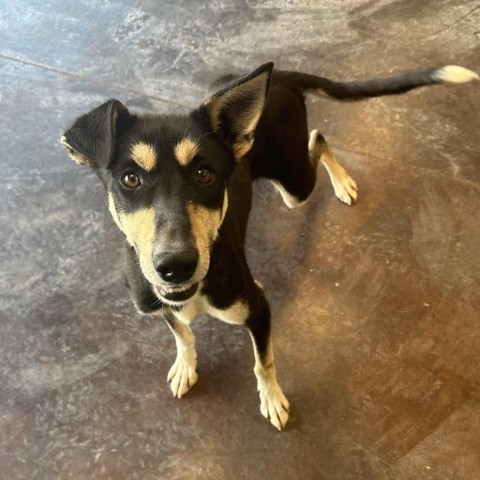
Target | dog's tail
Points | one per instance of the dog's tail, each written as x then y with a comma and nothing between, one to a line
358,90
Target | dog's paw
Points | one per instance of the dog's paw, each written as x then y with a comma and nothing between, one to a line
182,377
345,188
274,405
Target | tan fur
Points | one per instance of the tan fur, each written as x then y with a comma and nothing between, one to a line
241,148
345,186
139,228
75,156
225,206
205,225
185,151
113,211
144,155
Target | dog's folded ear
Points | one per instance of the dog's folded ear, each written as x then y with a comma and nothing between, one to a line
91,139
234,111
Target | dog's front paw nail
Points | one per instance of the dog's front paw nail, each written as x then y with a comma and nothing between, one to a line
182,377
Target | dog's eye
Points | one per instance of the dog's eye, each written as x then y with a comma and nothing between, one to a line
130,180
204,176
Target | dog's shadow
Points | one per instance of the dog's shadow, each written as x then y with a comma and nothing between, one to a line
280,240
281,248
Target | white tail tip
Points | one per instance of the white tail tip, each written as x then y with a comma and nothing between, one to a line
454,74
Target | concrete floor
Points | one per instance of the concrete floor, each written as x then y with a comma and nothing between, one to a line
376,307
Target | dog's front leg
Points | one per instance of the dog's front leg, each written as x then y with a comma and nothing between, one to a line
273,403
182,376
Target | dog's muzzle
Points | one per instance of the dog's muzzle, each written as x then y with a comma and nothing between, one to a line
176,268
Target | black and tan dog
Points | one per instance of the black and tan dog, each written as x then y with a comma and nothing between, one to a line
180,187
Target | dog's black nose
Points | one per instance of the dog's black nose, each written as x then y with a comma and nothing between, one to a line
176,267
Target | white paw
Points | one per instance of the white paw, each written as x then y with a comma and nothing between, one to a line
345,188
274,405
182,377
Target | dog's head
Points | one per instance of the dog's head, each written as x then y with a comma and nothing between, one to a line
166,176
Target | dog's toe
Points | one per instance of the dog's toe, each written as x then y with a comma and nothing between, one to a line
346,189
182,377
274,406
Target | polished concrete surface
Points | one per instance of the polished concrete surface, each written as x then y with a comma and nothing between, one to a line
375,307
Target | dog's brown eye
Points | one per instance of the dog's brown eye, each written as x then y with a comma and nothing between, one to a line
204,176
131,180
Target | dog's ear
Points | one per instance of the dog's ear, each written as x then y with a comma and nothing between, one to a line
91,139
234,111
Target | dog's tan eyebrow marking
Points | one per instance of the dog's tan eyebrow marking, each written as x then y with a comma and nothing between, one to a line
185,150
144,155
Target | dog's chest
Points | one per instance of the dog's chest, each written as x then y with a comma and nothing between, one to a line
237,313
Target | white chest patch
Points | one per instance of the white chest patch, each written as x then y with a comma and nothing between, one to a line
237,313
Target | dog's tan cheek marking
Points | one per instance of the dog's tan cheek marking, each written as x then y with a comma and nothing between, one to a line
185,151
205,224
138,227
225,206
113,211
144,155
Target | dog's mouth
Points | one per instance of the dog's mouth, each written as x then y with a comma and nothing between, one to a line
178,294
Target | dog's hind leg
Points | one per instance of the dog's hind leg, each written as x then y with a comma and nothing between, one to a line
344,186
282,156
182,376
273,403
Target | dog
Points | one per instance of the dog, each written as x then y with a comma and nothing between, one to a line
179,187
